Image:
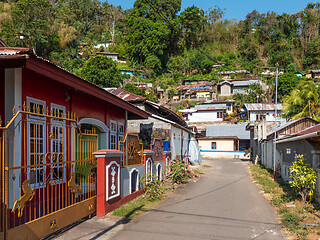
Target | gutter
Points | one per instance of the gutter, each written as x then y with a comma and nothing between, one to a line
309,135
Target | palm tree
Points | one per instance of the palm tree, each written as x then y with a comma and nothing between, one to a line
303,101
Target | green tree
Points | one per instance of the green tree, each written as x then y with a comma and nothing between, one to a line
286,83
303,177
303,101
102,71
33,20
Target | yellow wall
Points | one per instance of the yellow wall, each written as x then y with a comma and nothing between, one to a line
222,145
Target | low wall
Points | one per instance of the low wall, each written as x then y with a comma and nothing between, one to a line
125,178
223,154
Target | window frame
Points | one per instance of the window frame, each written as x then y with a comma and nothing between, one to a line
36,121
213,144
113,134
60,123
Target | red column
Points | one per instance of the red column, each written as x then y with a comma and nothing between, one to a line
146,155
108,179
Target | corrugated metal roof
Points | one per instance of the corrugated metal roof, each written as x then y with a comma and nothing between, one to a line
210,106
244,83
262,106
125,95
228,130
13,51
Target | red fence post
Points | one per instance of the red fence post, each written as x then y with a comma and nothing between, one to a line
108,178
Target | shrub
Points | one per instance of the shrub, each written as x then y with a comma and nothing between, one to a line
178,171
154,188
303,178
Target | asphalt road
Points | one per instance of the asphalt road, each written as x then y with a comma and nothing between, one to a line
224,204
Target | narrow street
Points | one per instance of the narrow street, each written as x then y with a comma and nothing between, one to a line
224,204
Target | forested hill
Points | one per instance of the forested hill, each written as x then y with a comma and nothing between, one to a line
65,31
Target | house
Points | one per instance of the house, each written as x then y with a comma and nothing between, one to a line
227,74
256,111
305,142
263,134
102,44
51,123
112,56
315,73
195,91
163,124
229,87
224,141
195,81
211,111
131,72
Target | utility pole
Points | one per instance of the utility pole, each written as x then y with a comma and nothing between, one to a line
275,125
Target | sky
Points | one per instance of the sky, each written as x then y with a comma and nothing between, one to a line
237,9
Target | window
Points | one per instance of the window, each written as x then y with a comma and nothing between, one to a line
213,145
120,134
36,147
219,114
57,139
113,134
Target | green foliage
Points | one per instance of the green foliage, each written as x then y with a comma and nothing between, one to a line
286,83
303,101
303,178
140,91
290,220
101,71
154,188
178,171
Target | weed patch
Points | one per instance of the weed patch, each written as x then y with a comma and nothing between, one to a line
292,211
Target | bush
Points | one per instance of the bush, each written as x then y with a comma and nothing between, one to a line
154,188
303,178
178,171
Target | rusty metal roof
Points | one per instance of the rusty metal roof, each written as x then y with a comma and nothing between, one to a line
262,106
125,95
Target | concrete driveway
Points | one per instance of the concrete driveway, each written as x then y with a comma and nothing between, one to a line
224,204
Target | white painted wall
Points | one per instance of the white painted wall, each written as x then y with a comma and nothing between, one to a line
204,116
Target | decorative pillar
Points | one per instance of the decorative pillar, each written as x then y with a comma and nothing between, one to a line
167,160
108,179
148,160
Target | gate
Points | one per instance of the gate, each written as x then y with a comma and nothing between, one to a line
132,147
48,172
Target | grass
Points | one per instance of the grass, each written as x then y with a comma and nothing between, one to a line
198,171
135,207
287,204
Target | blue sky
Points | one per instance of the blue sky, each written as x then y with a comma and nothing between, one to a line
236,8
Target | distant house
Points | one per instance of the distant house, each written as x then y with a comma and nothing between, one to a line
212,111
237,85
113,56
132,72
195,81
227,74
102,44
142,84
255,111
224,141
196,91
315,73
